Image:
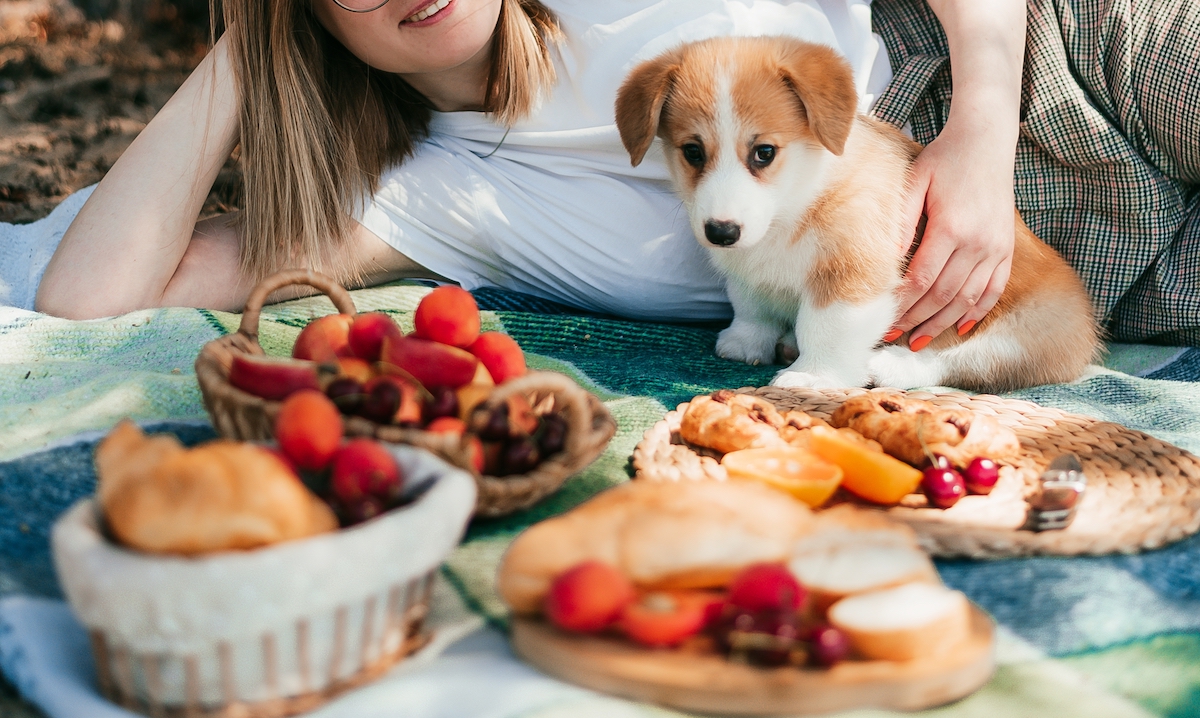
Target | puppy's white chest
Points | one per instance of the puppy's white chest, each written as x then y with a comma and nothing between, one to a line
775,271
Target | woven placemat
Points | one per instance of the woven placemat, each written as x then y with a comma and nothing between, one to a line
1142,493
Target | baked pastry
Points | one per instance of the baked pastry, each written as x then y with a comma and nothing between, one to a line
911,429
727,421
850,551
657,535
158,496
915,620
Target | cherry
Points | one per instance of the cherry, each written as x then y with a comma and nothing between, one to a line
943,486
765,638
981,475
554,434
520,456
495,426
443,401
829,645
347,394
381,403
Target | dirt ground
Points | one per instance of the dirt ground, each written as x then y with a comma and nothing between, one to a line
74,92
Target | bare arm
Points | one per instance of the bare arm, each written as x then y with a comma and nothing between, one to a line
123,248
963,181
136,242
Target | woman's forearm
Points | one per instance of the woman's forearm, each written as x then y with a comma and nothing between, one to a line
123,248
987,51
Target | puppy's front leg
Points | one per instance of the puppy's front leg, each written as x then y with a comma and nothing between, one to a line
836,343
752,336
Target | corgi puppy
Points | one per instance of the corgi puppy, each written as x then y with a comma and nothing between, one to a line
799,201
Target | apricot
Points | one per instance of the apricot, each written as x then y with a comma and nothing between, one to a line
324,339
871,474
354,368
308,429
368,332
448,315
800,473
270,377
364,468
501,355
588,597
665,618
429,362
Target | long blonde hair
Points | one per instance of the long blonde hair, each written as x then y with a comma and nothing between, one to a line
318,126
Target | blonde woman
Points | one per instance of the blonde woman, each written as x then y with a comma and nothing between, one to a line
473,140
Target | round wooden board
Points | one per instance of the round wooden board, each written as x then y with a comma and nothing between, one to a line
1142,493
711,684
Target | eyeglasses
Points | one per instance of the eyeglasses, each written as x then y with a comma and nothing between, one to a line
360,5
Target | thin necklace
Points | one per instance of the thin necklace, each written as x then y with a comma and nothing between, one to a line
497,147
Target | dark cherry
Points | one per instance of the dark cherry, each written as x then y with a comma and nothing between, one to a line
944,487
520,456
764,638
495,426
553,434
381,404
347,394
981,475
443,401
829,645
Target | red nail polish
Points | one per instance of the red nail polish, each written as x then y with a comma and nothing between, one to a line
893,335
966,327
920,343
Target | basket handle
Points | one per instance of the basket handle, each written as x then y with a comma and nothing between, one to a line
567,394
321,282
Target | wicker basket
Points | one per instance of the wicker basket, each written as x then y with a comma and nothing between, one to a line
245,633
240,415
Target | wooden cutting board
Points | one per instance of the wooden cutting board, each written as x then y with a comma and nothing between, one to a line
711,684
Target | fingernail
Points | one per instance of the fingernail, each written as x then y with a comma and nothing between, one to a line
966,327
920,343
893,335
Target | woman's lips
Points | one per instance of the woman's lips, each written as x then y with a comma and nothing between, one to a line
429,11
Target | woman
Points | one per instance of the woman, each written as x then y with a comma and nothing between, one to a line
530,196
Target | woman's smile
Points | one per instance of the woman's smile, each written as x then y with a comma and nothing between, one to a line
430,13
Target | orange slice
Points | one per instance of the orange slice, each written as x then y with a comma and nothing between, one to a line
800,473
873,475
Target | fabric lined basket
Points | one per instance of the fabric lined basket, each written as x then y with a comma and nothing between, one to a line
237,414
268,632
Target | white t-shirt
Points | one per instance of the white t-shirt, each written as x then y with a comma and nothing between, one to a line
556,209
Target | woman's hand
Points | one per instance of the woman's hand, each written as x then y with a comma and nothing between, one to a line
962,181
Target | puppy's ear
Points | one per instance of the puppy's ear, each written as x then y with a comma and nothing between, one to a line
640,101
824,83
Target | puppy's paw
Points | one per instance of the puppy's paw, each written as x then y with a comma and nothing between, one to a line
793,378
750,343
786,349
899,368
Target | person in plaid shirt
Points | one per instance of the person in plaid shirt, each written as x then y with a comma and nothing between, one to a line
1094,109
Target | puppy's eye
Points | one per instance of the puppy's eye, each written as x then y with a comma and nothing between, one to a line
762,156
693,154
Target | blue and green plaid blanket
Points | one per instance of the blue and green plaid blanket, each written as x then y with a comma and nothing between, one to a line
1111,636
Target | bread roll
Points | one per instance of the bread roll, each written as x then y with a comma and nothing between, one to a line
916,620
157,496
660,535
901,424
851,551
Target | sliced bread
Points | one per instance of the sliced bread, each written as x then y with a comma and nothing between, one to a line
916,620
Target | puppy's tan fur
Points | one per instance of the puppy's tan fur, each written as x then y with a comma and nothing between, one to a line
823,244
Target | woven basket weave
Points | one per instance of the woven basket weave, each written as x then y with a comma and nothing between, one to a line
1142,493
239,415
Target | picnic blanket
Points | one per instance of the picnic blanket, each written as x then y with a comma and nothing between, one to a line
1108,636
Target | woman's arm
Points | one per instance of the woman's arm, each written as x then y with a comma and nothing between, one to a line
963,181
124,247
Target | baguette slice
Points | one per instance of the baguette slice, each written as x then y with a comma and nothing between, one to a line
851,551
916,620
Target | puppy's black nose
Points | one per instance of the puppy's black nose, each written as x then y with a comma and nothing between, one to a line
722,233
